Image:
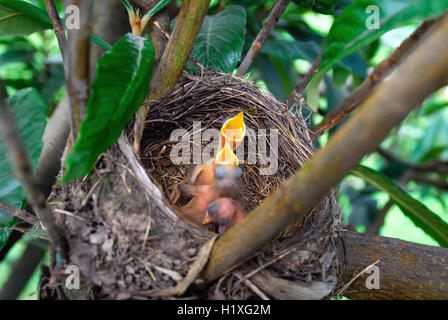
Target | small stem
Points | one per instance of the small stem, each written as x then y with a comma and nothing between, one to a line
21,214
297,93
277,10
57,27
435,166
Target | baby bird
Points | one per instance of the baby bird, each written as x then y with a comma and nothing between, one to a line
227,183
225,212
196,209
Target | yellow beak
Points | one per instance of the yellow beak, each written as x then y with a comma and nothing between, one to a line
226,156
233,130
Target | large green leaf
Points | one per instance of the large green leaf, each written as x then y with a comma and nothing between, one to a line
220,41
423,218
291,50
19,18
119,88
349,31
29,112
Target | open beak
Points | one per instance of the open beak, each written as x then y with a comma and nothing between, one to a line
207,219
233,131
226,156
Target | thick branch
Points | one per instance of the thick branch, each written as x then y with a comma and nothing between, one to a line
378,74
407,270
382,111
78,66
277,10
176,54
174,58
23,171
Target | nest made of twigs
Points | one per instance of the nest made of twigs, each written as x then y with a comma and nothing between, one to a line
128,241
211,99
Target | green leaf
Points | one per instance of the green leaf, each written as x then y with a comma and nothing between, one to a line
434,107
291,50
349,31
118,90
127,5
434,153
422,217
156,8
16,55
221,39
19,18
29,111
96,39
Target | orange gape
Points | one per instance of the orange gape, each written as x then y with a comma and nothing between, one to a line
216,183
233,132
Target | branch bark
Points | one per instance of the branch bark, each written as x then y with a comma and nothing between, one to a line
407,270
78,65
58,28
278,8
174,58
21,214
378,75
381,112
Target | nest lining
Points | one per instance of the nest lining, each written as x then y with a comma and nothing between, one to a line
127,235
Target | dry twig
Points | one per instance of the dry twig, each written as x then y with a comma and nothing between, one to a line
277,10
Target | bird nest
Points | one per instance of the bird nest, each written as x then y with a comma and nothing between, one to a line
128,241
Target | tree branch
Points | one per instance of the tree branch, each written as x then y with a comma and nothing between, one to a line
407,270
277,10
58,28
421,178
381,112
375,226
78,65
297,94
23,171
21,214
174,58
378,75
436,166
